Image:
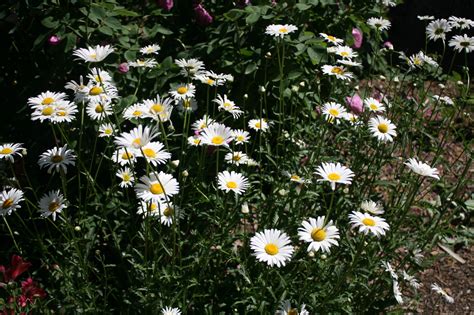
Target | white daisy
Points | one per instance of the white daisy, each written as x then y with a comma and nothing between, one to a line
437,29
345,52
194,141
445,99
236,158
228,105
278,30
100,76
350,63
167,211
319,235
379,24
368,223
382,128
333,112
137,137
461,43
126,175
374,105
259,124
202,123
51,204
437,289
422,168
125,156
371,207
106,130
183,91
232,181
159,108
135,111
96,54
219,79
272,246
57,159
337,71
420,59
331,39
334,173
103,93
295,178
425,17
412,281
99,110
10,200
9,150
397,293
461,23
206,79
190,67
157,186
286,309
170,311
46,98
143,63
216,135
150,49
154,153
240,136
64,112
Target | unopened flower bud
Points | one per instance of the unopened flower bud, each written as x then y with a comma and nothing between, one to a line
185,173
283,192
175,163
295,88
441,86
302,84
460,83
246,96
323,256
77,228
268,55
245,208
311,253
262,89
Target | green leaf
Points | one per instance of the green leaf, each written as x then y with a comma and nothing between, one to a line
233,14
106,30
251,67
313,55
125,12
162,30
70,42
252,18
302,6
49,22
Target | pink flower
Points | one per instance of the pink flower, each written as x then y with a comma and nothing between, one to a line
358,36
54,40
355,103
388,45
123,67
166,4
203,17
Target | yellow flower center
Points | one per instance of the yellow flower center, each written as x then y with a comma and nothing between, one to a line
168,212
137,113
331,38
337,70
156,189
231,185
227,105
383,128
373,106
96,90
137,142
187,104
47,111
61,113
197,141
56,159
99,108
126,177
108,131
334,176
318,235
271,249
47,101
236,157
210,81
53,206
240,138
182,90
295,177
7,203
127,156
283,30
217,140
258,125
293,311
157,108
368,221
149,153
152,207
93,56
344,54
334,112
6,151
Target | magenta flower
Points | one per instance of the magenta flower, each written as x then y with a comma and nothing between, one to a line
355,103
388,45
203,17
358,36
166,4
123,67
54,40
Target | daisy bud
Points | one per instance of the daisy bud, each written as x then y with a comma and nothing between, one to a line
55,267
311,253
262,89
345,190
396,79
268,55
246,96
323,256
54,40
175,163
245,208
441,86
24,152
77,228
283,192
302,84
295,88
459,83
185,173
382,78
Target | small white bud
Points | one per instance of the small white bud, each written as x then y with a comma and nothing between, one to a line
441,86
185,173
283,192
262,89
77,228
246,96
175,163
302,84
460,83
268,55
245,208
